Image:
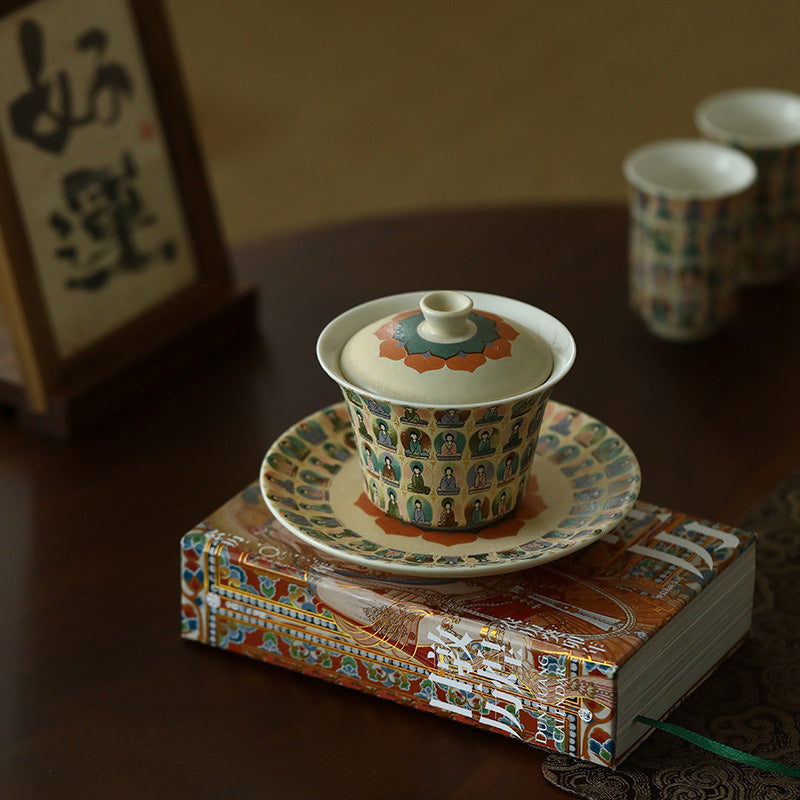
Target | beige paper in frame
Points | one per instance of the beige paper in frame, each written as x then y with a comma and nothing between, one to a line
96,194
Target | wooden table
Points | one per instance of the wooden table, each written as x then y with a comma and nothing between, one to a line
99,697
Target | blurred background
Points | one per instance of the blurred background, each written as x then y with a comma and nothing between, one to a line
310,112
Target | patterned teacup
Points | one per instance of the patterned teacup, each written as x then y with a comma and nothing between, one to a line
449,439
765,124
688,200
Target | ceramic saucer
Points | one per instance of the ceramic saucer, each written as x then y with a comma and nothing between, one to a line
584,480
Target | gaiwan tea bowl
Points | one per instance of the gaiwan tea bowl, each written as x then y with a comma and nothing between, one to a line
446,393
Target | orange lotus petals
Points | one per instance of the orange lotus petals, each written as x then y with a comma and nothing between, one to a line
424,363
468,362
390,348
504,329
530,507
499,349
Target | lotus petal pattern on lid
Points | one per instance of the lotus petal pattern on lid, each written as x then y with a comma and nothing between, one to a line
447,352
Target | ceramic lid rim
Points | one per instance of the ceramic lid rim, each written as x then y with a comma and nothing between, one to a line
338,331
708,127
631,166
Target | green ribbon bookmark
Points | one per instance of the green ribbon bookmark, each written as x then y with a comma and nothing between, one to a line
721,749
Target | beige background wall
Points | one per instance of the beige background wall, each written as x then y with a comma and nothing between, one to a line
312,111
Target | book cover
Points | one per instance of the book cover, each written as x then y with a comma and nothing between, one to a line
532,655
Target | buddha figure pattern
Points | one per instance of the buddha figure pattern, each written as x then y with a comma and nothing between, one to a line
446,468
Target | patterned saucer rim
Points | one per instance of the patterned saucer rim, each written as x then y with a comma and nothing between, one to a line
531,532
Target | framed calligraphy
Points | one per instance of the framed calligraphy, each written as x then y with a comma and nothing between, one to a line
110,242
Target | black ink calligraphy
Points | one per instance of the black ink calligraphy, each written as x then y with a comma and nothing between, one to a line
106,209
45,114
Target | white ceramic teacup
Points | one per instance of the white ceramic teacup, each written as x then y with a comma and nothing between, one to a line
765,124
687,204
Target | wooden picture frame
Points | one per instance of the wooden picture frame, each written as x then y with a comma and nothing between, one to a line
110,249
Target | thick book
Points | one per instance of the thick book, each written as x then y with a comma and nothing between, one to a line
562,656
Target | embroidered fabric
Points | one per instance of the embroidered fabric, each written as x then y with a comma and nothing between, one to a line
751,702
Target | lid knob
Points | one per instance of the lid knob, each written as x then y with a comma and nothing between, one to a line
446,317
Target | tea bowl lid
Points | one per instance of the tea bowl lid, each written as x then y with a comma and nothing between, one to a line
446,348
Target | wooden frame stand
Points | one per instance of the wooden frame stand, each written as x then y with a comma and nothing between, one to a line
74,407
112,265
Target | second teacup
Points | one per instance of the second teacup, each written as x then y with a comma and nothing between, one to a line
687,209
765,124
